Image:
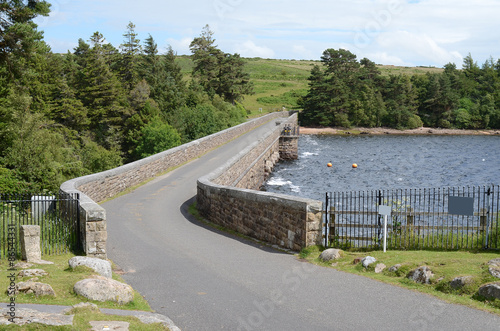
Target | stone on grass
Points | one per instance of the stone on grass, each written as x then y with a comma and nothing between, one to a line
38,289
104,289
331,254
368,260
494,262
494,271
32,273
100,266
421,275
395,267
460,282
379,268
490,291
26,316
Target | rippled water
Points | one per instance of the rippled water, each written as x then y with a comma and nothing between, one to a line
386,162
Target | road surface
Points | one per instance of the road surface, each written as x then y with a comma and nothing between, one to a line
204,279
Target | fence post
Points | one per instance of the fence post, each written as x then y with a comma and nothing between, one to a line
331,230
488,193
326,220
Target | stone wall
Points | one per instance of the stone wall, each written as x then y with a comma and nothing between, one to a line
228,197
98,187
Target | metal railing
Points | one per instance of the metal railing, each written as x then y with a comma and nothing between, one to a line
419,218
57,216
290,130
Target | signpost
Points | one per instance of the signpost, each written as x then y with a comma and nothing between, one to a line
385,211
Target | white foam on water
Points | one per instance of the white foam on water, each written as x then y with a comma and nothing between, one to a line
277,181
306,154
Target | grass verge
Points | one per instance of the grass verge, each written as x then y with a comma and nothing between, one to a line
445,266
62,279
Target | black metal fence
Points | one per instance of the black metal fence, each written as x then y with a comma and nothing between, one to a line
419,218
57,216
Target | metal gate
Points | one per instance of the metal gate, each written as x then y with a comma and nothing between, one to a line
57,215
420,219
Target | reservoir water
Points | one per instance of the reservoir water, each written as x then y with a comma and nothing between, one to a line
386,162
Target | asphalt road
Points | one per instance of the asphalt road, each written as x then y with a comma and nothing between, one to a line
203,279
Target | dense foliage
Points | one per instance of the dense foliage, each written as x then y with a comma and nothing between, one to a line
345,92
68,115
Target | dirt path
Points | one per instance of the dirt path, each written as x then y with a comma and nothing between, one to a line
378,131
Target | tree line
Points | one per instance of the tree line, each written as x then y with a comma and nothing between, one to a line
98,107
346,92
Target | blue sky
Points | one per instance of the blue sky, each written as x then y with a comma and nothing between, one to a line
397,32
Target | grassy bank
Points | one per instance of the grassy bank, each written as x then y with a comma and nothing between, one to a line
280,83
62,279
445,266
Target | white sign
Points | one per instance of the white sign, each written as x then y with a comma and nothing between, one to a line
385,211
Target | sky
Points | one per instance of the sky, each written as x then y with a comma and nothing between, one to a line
390,32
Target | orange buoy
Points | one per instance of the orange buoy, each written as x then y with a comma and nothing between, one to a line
354,165
329,164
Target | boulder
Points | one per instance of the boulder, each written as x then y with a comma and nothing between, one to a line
395,267
460,282
368,260
331,254
490,291
100,266
104,289
494,262
379,268
494,271
421,275
32,273
36,288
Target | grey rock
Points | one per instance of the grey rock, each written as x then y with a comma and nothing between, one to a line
368,260
494,262
395,268
460,282
103,289
32,273
35,288
330,254
26,316
100,266
379,268
421,275
494,271
490,291
109,325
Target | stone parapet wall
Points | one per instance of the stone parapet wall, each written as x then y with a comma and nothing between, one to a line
98,187
228,197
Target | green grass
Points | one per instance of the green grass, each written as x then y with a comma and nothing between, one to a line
445,265
62,279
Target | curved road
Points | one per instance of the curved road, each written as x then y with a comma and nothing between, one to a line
204,279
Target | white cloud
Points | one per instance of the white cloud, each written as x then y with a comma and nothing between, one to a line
419,33
417,46
250,49
179,46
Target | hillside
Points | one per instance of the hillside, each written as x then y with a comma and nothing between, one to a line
279,83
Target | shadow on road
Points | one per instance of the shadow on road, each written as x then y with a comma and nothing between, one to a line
212,227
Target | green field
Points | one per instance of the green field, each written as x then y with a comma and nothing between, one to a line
279,83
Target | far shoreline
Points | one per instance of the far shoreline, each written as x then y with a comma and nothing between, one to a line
389,131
